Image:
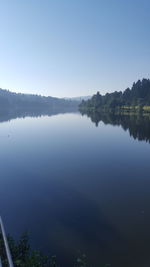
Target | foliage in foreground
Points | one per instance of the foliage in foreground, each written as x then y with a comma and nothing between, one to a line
24,256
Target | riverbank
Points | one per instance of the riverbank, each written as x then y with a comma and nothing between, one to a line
123,110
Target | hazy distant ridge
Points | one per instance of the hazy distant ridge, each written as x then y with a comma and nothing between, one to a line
78,98
17,100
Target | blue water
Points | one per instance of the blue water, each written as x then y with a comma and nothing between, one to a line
76,188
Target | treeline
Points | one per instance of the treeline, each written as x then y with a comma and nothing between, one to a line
9,100
137,97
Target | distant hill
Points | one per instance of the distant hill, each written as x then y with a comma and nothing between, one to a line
78,98
10,100
138,97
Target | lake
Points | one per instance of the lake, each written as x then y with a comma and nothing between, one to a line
79,185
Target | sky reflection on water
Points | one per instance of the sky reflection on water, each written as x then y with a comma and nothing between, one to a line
77,188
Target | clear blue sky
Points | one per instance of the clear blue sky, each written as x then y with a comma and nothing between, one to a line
73,47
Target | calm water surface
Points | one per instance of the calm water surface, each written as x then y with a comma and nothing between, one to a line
78,188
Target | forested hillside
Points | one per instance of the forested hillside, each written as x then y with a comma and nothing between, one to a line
138,97
9,100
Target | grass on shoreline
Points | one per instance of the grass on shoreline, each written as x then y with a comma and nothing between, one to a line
123,110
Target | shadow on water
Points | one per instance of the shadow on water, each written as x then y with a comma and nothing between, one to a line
77,225
138,125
